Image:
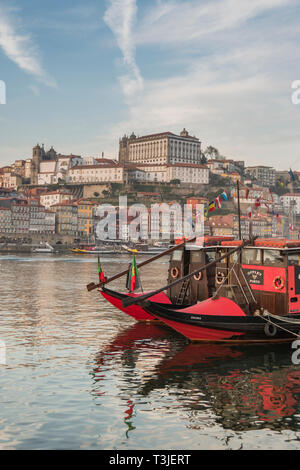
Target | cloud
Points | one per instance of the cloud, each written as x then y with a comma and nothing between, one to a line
177,21
19,47
227,69
120,16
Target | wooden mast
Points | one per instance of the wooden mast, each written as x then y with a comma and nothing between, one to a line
239,208
134,300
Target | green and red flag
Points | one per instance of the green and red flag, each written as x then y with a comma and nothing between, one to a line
101,275
133,276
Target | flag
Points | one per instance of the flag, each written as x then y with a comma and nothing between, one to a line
218,202
101,275
272,199
211,206
224,195
205,212
133,281
247,193
292,175
249,211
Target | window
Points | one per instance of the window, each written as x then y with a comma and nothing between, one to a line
273,258
294,259
251,256
196,256
177,255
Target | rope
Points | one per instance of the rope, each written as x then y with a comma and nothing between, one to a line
278,326
293,322
225,278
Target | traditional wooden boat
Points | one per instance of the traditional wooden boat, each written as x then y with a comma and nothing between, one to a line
225,290
255,296
136,311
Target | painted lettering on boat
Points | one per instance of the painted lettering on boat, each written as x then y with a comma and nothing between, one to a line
255,276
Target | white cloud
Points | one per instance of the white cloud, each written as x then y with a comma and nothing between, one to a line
19,47
233,85
120,16
180,21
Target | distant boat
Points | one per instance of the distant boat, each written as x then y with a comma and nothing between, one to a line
44,249
94,251
130,250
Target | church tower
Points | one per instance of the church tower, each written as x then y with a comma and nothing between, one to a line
38,153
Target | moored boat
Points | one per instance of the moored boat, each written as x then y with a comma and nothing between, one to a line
225,290
256,297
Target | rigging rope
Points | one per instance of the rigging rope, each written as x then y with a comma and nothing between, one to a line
276,324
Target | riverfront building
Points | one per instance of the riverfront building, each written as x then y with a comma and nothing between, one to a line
163,148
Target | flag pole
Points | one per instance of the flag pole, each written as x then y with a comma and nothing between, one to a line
239,208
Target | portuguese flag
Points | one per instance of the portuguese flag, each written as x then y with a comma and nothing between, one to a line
133,276
101,275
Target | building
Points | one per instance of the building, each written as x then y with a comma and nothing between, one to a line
11,180
100,173
234,176
66,218
265,175
86,213
38,156
162,148
291,203
188,173
51,198
5,220
221,225
259,225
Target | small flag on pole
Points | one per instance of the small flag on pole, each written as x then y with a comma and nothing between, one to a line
224,195
218,202
249,212
292,175
101,275
211,206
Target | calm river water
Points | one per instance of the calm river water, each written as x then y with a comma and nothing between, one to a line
81,375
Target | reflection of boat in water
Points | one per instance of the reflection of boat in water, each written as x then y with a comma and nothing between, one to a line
241,388
225,290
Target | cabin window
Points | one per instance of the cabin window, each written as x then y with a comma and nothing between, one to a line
251,256
273,258
210,256
177,255
294,259
234,257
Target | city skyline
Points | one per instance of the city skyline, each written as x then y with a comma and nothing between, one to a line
78,77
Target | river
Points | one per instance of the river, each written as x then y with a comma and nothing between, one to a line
81,375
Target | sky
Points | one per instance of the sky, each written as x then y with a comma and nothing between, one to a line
81,74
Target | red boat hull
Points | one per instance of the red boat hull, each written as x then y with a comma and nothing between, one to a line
134,311
224,307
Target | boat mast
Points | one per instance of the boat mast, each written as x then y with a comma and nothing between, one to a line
239,208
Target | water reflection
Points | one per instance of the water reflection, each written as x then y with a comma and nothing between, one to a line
240,388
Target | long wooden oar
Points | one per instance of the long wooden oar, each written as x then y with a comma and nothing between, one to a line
136,300
93,286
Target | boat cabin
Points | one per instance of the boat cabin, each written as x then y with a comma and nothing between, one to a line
264,275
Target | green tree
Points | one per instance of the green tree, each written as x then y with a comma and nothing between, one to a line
212,152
